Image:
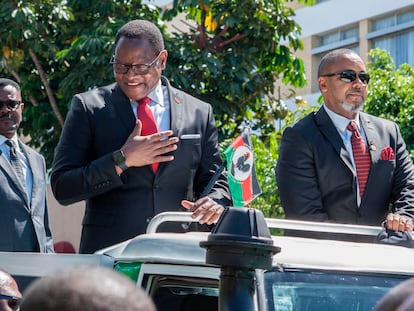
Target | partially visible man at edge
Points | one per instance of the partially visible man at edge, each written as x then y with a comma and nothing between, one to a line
24,220
103,158
10,295
316,172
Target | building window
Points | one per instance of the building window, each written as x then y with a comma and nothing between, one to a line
337,39
338,36
395,34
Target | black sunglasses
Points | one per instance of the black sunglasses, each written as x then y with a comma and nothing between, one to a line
350,76
13,301
10,104
138,69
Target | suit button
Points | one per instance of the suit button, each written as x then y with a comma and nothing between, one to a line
149,219
155,187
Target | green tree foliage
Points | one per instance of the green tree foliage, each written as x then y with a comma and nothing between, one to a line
57,48
232,55
391,93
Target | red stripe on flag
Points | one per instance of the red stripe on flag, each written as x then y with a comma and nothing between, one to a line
237,142
247,190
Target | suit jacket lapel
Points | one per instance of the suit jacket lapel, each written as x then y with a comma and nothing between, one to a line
37,171
176,115
5,165
328,129
371,135
176,107
122,105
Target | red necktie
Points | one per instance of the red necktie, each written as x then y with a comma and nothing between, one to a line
148,122
361,157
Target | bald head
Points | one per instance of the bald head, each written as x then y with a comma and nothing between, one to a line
332,57
87,288
396,296
9,287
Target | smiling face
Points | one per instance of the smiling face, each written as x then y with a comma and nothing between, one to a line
9,119
344,98
138,51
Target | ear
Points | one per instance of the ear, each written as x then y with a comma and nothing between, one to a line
163,59
323,86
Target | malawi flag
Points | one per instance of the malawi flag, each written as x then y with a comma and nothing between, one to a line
241,173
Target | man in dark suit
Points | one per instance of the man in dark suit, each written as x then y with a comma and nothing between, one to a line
316,171
24,222
105,158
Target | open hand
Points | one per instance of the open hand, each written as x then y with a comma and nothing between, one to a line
145,150
207,208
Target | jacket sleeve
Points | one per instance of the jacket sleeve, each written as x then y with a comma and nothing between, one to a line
403,184
75,175
296,178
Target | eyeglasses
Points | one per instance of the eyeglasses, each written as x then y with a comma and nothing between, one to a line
13,301
138,69
350,76
10,104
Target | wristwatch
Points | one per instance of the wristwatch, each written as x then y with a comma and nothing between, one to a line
119,159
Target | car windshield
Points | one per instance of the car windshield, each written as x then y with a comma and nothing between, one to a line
320,291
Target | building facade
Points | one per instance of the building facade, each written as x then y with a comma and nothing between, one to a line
360,25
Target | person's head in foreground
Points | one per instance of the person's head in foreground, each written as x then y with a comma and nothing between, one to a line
85,288
10,295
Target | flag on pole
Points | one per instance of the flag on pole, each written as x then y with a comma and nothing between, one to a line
241,173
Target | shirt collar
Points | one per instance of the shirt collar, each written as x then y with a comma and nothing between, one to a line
339,121
156,95
4,138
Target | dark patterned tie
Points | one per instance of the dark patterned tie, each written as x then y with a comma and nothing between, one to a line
15,162
148,122
361,157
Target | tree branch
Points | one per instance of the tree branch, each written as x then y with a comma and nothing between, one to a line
49,92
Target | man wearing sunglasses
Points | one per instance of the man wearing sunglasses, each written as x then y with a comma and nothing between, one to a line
325,174
24,223
10,295
137,147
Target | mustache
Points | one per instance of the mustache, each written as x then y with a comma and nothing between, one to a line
6,115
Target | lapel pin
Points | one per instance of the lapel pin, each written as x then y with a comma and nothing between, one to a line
372,146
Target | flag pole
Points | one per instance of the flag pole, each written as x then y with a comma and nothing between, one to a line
213,180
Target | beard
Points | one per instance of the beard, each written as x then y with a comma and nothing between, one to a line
351,107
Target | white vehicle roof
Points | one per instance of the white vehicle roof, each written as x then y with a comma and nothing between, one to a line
296,253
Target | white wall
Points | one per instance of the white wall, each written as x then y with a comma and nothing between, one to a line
336,13
65,221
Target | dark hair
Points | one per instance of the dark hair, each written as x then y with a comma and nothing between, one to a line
6,82
143,30
331,57
87,288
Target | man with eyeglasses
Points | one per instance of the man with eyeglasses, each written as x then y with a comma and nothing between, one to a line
10,295
24,222
332,169
138,147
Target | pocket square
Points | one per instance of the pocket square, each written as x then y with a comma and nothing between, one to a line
190,136
387,154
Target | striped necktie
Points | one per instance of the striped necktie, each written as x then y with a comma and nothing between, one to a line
362,157
148,122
